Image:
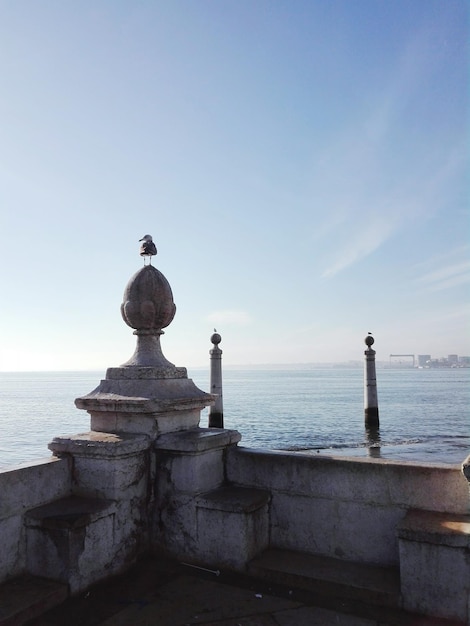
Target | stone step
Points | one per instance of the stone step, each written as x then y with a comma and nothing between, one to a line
233,525
234,499
328,576
27,597
70,540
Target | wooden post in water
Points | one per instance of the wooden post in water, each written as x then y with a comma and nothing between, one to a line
216,411
371,405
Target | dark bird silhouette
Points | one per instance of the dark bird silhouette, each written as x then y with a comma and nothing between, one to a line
148,248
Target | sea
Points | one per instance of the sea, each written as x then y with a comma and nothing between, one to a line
424,413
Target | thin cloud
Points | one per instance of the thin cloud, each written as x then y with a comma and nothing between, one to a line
366,190
447,277
361,245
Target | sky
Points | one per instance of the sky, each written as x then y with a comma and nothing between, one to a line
302,167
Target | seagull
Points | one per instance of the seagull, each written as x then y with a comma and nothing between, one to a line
147,248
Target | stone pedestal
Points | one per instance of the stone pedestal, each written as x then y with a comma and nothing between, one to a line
146,400
189,465
104,526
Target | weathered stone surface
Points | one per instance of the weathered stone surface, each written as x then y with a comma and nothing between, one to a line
232,526
13,546
73,540
234,499
151,424
144,396
148,300
21,488
434,564
198,440
33,484
145,373
353,505
437,487
449,529
100,445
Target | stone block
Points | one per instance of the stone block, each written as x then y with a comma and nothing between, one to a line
194,473
151,424
232,526
434,564
192,461
72,540
106,465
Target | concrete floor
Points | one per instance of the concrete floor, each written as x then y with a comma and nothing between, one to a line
157,592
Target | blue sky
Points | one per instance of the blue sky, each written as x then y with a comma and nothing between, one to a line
302,167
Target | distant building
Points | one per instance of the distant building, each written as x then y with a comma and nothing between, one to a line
453,358
423,359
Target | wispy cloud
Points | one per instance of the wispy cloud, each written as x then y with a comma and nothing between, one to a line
447,277
376,179
370,238
229,317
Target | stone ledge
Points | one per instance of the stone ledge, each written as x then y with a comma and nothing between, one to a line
98,444
147,395
333,577
446,529
197,440
69,513
234,499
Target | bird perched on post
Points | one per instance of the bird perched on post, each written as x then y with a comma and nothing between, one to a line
147,249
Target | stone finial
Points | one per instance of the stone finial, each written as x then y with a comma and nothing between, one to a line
369,340
216,338
148,300
148,307
147,394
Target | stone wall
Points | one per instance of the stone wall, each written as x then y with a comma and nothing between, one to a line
23,488
199,497
346,508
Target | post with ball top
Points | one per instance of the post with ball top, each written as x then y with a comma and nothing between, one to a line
216,411
371,405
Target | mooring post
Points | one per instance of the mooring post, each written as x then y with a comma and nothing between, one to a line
216,411
371,405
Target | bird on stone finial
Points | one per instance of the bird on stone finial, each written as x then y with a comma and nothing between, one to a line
148,248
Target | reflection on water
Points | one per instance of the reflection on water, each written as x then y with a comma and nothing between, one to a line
373,441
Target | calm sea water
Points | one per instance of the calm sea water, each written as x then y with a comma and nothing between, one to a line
424,414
